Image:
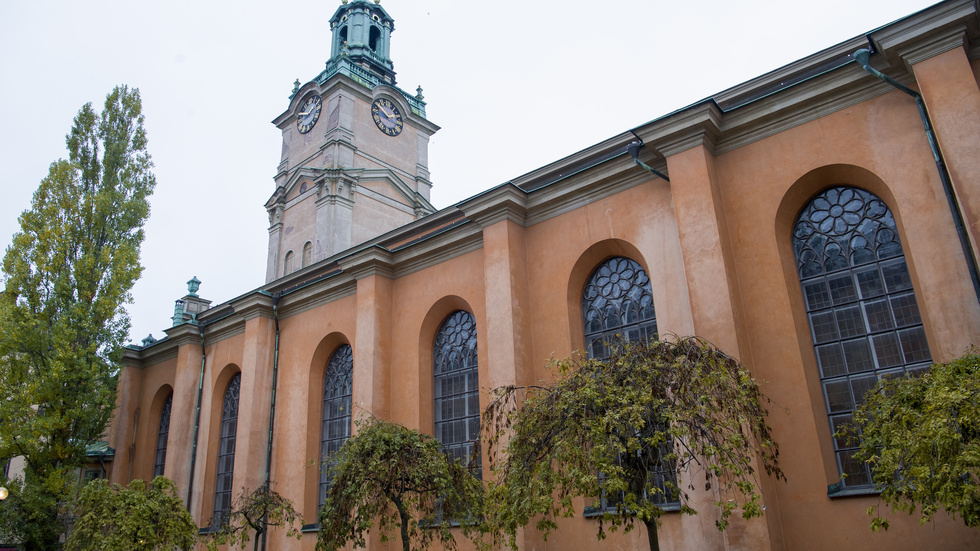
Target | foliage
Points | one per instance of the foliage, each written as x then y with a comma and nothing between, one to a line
921,438
67,273
651,403
396,476
137,517
255,512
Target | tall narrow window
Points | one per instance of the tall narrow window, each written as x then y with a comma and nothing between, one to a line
864,319
307,254
226,452
457,390
617,305
162,435
337,386
287,264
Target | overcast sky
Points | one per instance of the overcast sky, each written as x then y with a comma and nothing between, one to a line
514,86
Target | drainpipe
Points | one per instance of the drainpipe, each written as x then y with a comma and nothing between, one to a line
634,151
197,418
862,56
272,408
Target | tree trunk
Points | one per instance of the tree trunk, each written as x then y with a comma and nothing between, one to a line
652,534
403,516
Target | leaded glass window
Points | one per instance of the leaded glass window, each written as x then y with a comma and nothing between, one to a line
226,452
864,319
335,430
162,434
457,390
617,305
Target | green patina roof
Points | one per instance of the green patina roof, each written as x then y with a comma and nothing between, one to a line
100,449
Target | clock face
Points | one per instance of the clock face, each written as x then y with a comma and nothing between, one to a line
386,115
308,114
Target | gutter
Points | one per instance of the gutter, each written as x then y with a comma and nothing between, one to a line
862,56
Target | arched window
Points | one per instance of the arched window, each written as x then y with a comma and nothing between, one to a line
287,264
864,319
226,452
617,305
337,386
457,389
162,434
307,254
373,37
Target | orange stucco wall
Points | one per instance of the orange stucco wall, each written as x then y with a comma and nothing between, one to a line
716,243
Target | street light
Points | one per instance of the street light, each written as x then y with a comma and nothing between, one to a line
3,493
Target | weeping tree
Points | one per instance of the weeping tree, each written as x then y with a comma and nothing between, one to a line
254,513
138,517
624,430
393,477
921,438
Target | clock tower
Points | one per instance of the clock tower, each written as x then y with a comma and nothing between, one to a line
354,149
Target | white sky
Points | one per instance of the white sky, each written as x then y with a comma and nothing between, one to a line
513,85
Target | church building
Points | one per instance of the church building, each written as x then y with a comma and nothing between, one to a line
820,223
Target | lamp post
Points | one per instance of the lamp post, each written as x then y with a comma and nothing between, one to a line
3,493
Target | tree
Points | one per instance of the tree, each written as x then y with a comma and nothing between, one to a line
255,512
67,274
921,438
605,427
396,476
137,517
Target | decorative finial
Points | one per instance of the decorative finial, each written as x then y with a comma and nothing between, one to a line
296,87
343,1
418,93
193,285
377,1
149,340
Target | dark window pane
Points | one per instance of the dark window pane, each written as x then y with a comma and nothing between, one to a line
457,399
873,294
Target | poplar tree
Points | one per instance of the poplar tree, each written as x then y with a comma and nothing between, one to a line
66,275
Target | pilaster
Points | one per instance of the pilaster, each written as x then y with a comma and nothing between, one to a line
372,346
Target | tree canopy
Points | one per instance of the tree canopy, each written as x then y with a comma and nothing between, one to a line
397,477
67,274
677,411
921,438
135,518
256,512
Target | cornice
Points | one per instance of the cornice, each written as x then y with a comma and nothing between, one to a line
611,177
438,248
697,125
922,50
504,202
250,306
932,25
317,294
371,260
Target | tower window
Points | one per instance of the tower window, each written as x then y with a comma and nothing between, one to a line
373,39
307,254
287,264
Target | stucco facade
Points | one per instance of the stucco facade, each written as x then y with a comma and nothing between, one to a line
715,237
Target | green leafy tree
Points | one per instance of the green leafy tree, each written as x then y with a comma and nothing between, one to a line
255,512
397,477
605,426
133,518
921,438
67,274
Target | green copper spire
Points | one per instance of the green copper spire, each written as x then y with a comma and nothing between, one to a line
362,33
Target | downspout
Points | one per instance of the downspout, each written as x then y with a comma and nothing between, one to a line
272,408
862,56
634,151
197,417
